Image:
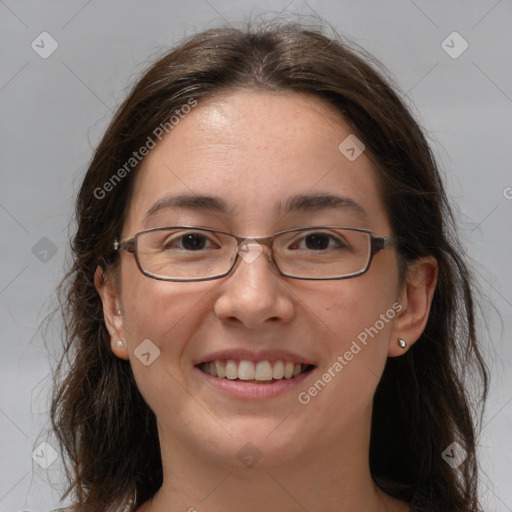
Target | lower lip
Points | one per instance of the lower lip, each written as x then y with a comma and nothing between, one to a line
254,390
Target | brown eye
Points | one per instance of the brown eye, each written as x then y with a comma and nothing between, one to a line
193,241
188,242
317,241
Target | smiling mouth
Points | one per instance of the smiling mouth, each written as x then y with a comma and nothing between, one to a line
254,371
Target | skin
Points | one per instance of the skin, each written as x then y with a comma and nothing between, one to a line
254,150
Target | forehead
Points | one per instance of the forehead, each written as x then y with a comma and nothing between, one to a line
256,151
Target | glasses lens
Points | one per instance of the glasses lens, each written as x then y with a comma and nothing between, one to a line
196,253
185,253
322,253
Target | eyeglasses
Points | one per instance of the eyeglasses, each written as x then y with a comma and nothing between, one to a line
188,253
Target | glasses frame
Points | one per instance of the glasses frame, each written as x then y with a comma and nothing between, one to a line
377,244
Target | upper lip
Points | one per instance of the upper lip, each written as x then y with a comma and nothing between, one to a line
255,356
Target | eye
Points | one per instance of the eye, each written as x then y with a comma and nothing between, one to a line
191,241
318,241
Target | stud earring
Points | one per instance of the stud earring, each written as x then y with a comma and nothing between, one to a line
402,343
118,311
119,343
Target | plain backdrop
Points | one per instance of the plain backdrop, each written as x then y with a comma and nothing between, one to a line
55,109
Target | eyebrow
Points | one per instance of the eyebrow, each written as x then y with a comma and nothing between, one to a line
317,202
189,201
301,202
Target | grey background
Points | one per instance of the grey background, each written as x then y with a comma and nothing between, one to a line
54,110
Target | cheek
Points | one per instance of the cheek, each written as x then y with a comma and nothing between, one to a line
360,305
155,309
360,316
360,330
160,318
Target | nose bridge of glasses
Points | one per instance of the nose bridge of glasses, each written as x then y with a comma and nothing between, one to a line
249,249
266,241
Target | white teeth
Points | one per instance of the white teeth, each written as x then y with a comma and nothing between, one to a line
231,369
263,371
220,370
288,370
248,370
278,372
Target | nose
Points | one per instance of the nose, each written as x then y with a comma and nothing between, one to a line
254,293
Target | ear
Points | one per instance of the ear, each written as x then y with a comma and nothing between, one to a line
415,298
111,312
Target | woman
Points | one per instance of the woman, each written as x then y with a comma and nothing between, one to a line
268,307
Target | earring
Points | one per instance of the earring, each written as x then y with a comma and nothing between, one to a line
118,311
119,343
402,343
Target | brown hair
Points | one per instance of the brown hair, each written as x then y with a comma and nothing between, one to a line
421,405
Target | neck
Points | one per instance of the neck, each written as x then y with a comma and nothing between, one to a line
330,476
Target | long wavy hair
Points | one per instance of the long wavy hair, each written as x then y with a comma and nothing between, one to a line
422,404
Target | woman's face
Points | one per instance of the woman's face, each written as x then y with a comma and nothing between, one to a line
253,153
